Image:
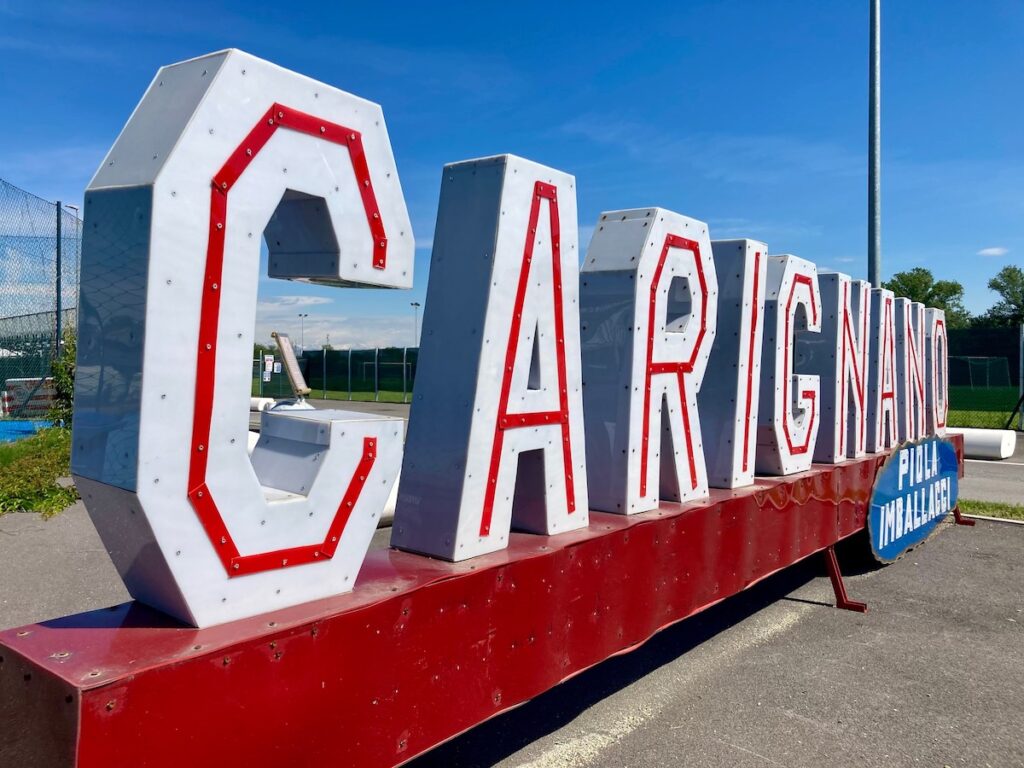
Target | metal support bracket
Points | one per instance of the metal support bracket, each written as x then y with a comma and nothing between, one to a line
842,601
959,519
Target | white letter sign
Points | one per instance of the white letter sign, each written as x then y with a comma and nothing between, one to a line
729,397
222,151
936,370
496,427
910,359
839,355
883,428
649,306
788,422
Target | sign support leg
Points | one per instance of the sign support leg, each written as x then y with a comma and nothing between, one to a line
960,519
842,601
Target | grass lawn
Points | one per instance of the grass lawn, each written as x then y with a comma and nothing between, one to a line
980,419
992,509
278,392
385,397
987,407
29,469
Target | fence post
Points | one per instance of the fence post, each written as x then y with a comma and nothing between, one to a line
1020,378
405,351
350,373
376,374
60,302
325,372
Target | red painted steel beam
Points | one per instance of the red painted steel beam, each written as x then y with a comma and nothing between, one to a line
420,652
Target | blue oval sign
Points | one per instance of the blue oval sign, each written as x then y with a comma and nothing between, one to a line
913,493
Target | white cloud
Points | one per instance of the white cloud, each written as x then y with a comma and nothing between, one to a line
997,250
293,301
345,332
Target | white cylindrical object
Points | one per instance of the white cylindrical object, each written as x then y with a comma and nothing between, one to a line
259,404
986,443
387,516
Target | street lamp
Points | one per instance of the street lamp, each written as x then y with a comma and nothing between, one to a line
875,147
302,330
415,322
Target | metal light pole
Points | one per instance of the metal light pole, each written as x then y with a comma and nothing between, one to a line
415,323
60,266
325,364
302,331
60,288
874,150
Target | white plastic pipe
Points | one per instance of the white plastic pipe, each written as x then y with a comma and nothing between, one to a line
986,443
388,515
260,403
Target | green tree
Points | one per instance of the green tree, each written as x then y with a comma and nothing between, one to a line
1009,284
259,350
64,381
918,284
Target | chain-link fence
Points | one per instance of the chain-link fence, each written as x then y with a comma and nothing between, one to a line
385,374
985,377
40,252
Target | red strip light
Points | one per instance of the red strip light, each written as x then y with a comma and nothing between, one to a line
199,493
508,420
750,360
679,369
808,394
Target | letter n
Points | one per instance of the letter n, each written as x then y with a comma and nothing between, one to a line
496,428
910,364
839,355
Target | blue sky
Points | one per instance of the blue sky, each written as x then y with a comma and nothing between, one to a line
749,114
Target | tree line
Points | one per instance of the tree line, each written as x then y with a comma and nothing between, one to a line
918,284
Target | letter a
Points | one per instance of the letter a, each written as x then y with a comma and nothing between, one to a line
882,414
496,428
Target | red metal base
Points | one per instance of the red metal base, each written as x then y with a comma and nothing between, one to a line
421,651
842,601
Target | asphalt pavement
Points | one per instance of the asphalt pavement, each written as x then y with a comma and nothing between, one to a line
932,675
986,480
